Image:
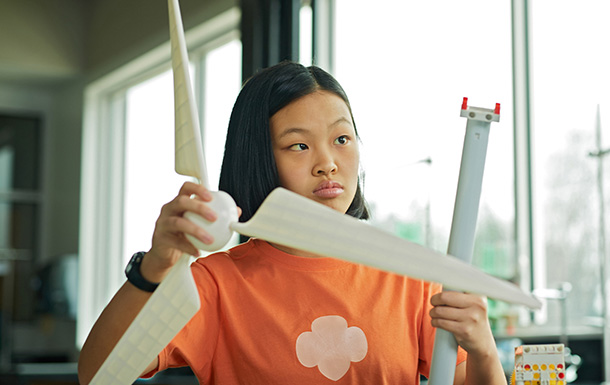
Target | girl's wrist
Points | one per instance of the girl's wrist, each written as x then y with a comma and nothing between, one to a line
152,270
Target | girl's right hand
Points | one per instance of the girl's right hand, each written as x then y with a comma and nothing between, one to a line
169,241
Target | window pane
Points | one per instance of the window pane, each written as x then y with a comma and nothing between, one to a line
305,33
406,76
570,79
150,179
222,84
406,73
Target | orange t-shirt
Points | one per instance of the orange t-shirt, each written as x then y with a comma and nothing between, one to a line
270,317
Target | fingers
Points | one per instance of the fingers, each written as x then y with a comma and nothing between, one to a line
456,319
171,226
169,240
190,188
457,299
464,315
172,242
192,197
183,203
458,307
168,237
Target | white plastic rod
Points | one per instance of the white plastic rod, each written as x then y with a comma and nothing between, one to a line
463,225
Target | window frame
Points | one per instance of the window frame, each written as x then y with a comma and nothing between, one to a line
531,276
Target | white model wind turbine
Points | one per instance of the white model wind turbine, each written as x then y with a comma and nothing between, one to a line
284,218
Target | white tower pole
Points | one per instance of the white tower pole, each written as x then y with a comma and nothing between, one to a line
463,225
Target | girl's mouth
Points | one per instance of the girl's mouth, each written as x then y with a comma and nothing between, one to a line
328,189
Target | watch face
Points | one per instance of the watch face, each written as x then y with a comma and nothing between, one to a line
132,271
135,259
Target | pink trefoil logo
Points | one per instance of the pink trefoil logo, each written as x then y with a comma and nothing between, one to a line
331,346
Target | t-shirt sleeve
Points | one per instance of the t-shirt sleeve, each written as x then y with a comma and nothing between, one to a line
428,332
201,330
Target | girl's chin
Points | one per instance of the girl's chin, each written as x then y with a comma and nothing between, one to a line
337,206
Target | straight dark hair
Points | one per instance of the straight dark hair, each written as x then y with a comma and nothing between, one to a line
249,172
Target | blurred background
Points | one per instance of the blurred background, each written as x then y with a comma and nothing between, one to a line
86,153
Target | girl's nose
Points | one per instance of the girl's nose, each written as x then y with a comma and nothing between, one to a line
325,166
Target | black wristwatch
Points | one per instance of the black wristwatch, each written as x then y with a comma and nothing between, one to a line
132,271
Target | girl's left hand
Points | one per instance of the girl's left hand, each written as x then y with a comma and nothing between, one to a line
464,315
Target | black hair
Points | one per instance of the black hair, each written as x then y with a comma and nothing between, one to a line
249,172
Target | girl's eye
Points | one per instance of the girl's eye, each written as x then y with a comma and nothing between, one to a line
298,147
343,139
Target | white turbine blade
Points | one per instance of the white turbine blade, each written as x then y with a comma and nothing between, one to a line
292,220
171,306
189,151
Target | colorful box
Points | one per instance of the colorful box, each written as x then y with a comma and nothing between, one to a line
539,365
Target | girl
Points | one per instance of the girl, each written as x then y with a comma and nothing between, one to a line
275,315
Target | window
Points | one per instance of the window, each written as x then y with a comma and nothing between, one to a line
128,152
570,79
406,70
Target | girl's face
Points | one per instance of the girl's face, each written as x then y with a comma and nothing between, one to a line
316,149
